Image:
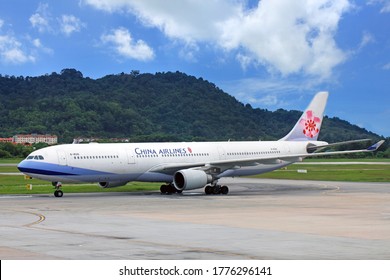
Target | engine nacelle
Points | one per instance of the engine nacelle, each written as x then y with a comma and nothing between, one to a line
106,185
189,179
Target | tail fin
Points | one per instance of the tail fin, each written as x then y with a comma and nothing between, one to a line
309,124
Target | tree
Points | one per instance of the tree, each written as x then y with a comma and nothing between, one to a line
134,73
171,105
71,73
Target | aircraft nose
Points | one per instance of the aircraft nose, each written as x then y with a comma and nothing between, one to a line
22,166
28,167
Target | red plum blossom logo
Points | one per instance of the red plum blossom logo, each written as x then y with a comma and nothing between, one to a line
309,124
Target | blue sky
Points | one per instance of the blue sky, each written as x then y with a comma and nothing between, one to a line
271,54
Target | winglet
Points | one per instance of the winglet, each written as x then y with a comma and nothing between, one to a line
375,146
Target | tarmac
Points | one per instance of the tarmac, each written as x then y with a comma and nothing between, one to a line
258,219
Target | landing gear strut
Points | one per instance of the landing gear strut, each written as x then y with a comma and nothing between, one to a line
169,189
57,186
216,189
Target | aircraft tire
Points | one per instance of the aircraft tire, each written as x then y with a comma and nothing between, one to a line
216,189
171,189
164,189
58,193
224,190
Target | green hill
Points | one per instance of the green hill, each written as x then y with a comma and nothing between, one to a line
143,107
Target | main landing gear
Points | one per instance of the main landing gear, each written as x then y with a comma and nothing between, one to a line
57,186
169,189
216,189
209,189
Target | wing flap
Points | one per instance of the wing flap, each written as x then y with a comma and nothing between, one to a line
321,147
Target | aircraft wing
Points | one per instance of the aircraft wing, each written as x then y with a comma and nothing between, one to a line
171,168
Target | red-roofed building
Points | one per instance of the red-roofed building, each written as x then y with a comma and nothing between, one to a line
7,140
35,138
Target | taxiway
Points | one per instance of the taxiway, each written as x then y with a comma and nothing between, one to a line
259,219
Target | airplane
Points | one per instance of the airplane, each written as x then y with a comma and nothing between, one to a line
182,165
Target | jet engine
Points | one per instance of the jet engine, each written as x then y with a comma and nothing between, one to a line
189,179
114,184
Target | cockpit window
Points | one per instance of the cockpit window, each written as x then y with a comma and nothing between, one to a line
37,157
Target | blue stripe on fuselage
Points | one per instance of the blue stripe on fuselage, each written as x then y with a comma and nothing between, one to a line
43,168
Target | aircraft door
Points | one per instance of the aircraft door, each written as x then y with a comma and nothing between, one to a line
221,153
62,158
287,148
130,157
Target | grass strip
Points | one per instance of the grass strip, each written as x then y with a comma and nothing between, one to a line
16,184
334,172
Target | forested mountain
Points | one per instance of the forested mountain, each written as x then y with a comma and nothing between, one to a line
143,107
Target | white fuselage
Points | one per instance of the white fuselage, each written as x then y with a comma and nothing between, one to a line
139,161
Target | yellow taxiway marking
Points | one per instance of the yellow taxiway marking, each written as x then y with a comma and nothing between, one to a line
41,218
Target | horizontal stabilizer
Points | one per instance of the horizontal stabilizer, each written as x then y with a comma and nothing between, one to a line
375,146
372,148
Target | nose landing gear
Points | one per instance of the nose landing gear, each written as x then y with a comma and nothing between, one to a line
57,186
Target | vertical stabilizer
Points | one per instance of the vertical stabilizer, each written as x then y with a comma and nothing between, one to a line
309,124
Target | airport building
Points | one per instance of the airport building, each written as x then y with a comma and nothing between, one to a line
35,138
7,140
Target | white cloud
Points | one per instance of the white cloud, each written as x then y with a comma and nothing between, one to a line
290,36
39,46
39,22
386,66
43,22
367,38
285,36
189,52
70,24
244,60
37,43
11,51
19,49
107,5
41,18
266,100
272,93
384,3
124,45
179,19
386,7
